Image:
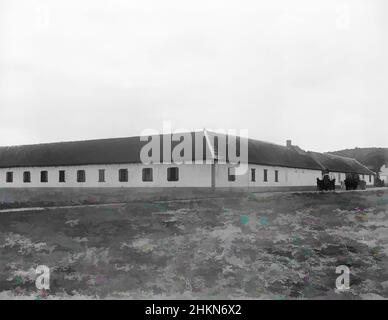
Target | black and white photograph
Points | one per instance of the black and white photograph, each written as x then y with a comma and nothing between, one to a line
208,150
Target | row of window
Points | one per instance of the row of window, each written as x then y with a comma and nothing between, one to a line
232,176
147,175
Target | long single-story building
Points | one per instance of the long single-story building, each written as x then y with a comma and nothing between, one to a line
116,162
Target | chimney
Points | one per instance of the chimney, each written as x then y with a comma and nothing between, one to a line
289,143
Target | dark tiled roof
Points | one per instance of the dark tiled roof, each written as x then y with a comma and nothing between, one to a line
265,153
102,151
71,153
127,150
271,154
340,164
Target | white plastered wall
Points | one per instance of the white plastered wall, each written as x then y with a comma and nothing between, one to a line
190,175
287,177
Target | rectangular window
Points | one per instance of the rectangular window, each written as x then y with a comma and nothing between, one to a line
27,176
276,176
370,178
265,175
231,175
172,174
101,175
339,177
123,175
9,177
363,177
147,174
62,176
81,176
253,175
43,176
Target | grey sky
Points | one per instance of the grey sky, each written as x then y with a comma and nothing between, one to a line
314,71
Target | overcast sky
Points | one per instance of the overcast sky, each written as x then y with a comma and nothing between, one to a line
314,71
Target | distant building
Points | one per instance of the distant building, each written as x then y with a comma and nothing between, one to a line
116,163
383,174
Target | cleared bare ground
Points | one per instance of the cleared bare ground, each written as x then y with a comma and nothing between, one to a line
279,246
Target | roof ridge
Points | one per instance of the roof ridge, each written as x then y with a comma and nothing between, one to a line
94,140
63,142
252,139
337,156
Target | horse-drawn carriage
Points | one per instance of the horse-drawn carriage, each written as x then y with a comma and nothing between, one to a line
379,182
353,182
325,184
